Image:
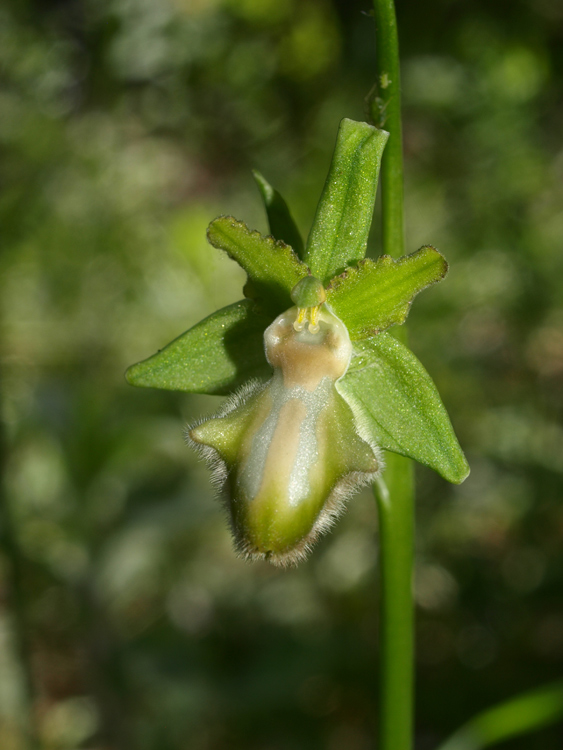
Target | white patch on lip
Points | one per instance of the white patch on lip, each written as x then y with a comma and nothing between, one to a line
307,451
252,474
305,433
306,365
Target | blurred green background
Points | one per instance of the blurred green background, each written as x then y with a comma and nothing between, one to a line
125,127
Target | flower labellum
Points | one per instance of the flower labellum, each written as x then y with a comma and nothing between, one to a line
287,454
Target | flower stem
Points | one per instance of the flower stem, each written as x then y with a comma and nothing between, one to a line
396,530
394,494
386,112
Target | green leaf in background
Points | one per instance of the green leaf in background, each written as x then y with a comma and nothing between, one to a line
272,267
524,713
400,406
280,220
374,295
339,234
215,356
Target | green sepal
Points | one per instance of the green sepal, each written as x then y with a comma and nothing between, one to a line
399,407
273,269
375,295
281,223
216,356
339,234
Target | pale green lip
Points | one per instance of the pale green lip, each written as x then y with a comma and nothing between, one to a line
291,448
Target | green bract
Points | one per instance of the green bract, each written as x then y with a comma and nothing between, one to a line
289,450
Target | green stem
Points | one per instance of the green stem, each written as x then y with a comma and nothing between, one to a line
394,495
386,112
396,531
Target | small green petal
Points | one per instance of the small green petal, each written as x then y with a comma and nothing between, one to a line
272,267
215,356
375,295
397,403
339,234
282,225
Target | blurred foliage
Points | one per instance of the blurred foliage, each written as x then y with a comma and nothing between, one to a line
125,127
525,713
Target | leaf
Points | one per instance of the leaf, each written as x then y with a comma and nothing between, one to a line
374,295
339,234
215,356
272,267
280,220
397,403
524,713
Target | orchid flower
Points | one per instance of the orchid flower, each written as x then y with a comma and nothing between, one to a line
318,387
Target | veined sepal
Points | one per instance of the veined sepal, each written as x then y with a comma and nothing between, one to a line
287,454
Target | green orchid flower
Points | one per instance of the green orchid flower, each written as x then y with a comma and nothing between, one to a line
319,388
